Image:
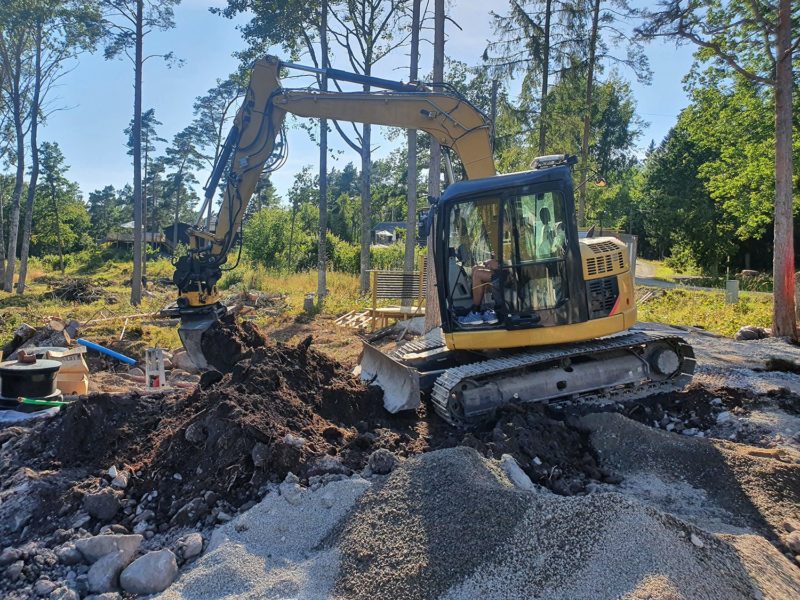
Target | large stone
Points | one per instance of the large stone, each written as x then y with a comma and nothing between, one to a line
68,554
9,555
181,360
793,542
94,548
14,570
64,593
44,587
327,464
149,574
104,574
382,461
102,505
192,545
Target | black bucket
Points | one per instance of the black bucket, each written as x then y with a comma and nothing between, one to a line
28,380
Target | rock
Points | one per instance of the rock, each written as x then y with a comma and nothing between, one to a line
142,527
102,506
181,360
112,471
177,477
104,574
14,570
136,372
793,542
192,545
80,520
195,509
68,555
149,574
750,332
260,455
696,540
515,473
106,596
44,587
195,433
9,555
724,417
328,464
64,593
293,440
382,461
290,490
223,517
690,431
120,482
93,548
145,515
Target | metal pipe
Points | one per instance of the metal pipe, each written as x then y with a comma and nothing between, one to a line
339,75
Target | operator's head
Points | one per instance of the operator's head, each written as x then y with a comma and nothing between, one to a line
544,215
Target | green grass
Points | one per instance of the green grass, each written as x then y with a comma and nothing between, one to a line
707,310
664,272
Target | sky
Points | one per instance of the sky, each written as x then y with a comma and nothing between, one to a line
97,94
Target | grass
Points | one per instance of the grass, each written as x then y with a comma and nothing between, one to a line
707,310
664,272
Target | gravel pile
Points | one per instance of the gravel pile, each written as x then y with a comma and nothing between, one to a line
450,525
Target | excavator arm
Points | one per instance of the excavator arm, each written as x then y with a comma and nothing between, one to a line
256,144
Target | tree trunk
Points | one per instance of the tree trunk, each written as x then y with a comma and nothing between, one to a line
783,318
13,229
433,316
366,208
178,189
587,116
136,279
545,75
26,229
57,218
411,180
2,236
322,253
144,209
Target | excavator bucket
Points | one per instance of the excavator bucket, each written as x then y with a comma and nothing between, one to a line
400,383
191,332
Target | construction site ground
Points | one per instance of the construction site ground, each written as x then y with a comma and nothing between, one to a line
302,486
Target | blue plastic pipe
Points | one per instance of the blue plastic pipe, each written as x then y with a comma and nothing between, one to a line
107,351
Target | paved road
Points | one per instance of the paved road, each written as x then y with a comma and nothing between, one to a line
645,276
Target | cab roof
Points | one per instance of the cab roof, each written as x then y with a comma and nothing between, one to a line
478,187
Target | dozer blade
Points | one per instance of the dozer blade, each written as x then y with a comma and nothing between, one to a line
193,327
399,382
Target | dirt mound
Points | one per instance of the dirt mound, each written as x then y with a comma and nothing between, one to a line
553,452
227,342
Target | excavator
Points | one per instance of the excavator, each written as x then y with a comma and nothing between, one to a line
531,309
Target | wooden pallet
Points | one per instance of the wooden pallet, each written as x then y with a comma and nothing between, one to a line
355,319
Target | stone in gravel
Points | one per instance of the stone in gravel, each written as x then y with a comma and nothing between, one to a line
136,372
695,539
104,574
120,482
192,545
103,505
80,520
9,555
790,525
325,465
106,596
44,587
112,470
260,454
724,417
516,474
149,574
68,554
793,542
195,433
93,548
145,515
382,461
64,593
14,570
290,490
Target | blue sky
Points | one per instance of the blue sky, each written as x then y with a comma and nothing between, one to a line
99,93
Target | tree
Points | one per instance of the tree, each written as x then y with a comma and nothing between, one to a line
105,214
433,317
755,41
537,38
183,156
299,26
411,182
52,170
128,22
149,138
366,31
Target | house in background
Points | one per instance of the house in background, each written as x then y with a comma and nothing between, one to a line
388,232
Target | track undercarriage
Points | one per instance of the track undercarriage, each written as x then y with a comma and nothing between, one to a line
467,387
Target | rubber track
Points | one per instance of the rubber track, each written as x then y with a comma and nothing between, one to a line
448,380
417,346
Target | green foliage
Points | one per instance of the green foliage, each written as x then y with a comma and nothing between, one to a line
707,310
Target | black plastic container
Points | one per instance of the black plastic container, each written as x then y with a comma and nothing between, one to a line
28,380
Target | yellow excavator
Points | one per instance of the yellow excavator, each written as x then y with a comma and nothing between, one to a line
531,309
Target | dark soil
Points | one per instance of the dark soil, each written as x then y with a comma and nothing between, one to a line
276,408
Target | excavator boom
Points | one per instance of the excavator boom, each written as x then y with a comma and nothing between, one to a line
256,144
